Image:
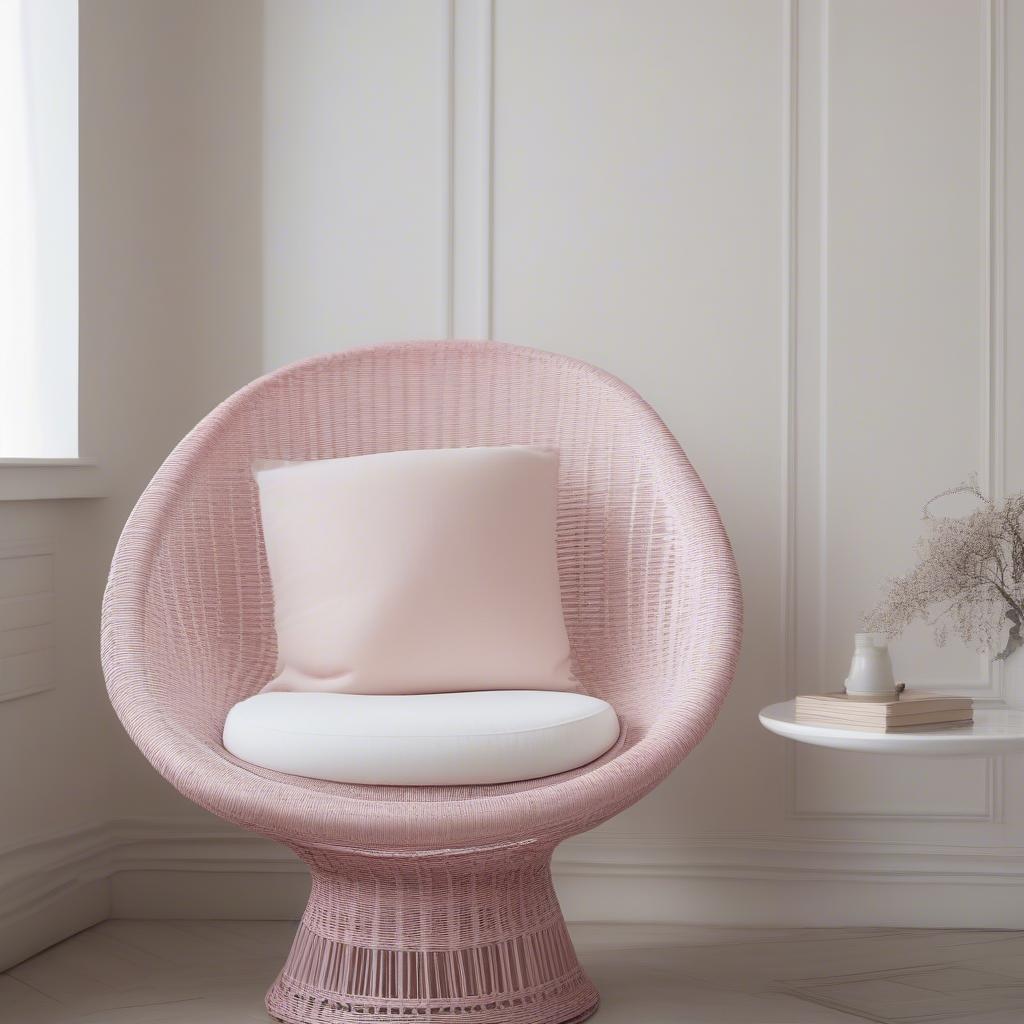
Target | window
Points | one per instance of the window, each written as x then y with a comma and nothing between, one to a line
38,229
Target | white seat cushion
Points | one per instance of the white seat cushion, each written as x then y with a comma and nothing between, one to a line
436,739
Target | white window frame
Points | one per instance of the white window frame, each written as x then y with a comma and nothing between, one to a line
39,387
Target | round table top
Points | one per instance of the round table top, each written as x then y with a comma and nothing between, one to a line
992,732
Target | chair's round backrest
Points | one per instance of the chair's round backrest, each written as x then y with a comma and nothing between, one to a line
635,526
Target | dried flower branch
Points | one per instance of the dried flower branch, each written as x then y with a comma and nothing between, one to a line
969,577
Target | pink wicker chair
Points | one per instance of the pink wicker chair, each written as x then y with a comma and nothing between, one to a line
427,901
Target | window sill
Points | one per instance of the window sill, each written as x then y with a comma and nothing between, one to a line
49,479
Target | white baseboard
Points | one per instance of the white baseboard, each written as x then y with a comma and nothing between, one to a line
52,887
790,882
199,868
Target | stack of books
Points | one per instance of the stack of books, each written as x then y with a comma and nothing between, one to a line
904,713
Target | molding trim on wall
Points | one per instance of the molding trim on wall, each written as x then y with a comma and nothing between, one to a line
55,885
753,857
789,331
471,152
994,259
992,322
805,353
448,174
787,497
27,601
992,802
52,887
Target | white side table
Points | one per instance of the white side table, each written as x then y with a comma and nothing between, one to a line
992,732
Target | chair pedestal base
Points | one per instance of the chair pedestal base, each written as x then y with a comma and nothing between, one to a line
477,938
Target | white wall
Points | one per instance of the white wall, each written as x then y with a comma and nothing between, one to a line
170,227
795,228
171,121
791,227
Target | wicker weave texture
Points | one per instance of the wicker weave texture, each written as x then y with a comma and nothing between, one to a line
479,935
422,895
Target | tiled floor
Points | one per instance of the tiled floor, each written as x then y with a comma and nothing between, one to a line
215,972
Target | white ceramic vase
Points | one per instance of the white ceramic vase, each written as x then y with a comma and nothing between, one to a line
871,672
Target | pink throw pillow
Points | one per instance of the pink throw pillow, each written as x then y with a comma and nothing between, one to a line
416,572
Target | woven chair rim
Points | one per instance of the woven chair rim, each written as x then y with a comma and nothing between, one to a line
338,821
